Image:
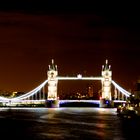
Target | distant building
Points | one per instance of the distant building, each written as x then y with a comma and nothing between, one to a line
137,90
90,91
5,93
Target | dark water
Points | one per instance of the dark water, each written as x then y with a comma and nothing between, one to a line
65,123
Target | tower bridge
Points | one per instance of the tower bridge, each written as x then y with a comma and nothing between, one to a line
52,84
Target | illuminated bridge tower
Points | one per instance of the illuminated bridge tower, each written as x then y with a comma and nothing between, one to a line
106,81
52,85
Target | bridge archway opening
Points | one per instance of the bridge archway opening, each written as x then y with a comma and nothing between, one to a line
79,89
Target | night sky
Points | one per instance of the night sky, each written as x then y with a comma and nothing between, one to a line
78,39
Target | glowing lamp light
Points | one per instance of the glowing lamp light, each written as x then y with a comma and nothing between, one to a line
107,102
79,76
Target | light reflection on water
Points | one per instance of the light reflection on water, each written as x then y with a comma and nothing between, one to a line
61,123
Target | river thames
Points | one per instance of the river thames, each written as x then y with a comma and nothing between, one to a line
65,123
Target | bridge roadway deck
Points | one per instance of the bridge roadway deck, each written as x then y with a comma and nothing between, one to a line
64,101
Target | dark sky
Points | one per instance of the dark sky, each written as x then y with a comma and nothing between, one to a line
78,39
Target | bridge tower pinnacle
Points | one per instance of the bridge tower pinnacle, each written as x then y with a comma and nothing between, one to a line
52,81
106,81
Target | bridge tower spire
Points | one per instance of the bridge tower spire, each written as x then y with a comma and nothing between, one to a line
52,82
106,81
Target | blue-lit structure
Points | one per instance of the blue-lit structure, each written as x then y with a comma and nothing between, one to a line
51,82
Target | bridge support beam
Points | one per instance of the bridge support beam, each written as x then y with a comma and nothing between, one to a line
52,103
52,99
106,103
106,84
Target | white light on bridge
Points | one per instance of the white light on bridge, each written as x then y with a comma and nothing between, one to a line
79,76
